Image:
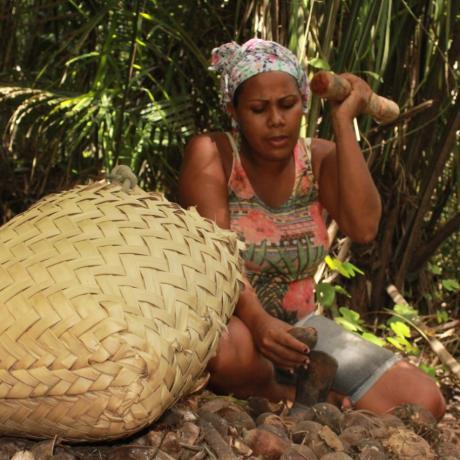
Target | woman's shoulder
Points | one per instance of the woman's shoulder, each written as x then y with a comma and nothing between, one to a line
202,181
208,143
203,144
209,148
320,146
317,146
317,151
320,150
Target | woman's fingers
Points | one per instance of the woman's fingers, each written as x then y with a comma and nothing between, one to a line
290,341
276,343
356,82
280,360
284,355
356,102
280,333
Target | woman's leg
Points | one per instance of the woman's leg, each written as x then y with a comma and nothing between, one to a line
403,383
238,367
373,377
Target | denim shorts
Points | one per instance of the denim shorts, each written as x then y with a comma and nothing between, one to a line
361,363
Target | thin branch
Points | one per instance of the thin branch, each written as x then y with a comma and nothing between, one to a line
426,251
410,113
440,350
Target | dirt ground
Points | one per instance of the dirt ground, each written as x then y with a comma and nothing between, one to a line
206,426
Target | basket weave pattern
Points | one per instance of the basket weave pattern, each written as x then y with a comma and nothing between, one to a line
111,306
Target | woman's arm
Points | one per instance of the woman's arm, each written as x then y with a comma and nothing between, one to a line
202,181
346,188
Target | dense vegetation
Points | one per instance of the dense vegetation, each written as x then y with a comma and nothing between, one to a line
85,84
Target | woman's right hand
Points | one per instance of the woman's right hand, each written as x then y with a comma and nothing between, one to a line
274,341
271,335
356,102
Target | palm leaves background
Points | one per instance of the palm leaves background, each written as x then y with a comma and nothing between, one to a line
88,83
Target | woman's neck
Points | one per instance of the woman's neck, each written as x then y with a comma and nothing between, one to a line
256,161
272,179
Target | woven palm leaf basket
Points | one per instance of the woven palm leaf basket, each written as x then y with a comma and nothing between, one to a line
111,304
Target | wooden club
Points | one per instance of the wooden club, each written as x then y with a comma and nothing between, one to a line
331,86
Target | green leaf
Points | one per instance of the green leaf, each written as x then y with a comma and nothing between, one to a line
441,316
81,57
147,16
341,290
428,296
400,329
401,343
346,269
350,314
450,285
405,311
431,371
411,348
350,319
346,324
336,265
373,75
352,269
325,294
434,269
373,339
319,63
331,263
395,342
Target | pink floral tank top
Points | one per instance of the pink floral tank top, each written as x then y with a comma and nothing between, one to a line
284,245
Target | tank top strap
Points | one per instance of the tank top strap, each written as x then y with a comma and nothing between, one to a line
235,152
307,146
307,158
238,182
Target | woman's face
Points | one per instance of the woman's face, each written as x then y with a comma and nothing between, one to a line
269,112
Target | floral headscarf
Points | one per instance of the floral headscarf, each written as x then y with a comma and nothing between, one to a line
237,63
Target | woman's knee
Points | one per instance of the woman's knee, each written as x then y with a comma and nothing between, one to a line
237,358
422,388
401,384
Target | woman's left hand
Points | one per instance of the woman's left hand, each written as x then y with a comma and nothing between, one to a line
274,341
356,102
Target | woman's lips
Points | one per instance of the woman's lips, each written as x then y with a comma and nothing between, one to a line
278,141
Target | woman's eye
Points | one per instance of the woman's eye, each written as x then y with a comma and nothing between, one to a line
288,104
257,109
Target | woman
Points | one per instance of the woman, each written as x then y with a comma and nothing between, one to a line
269,186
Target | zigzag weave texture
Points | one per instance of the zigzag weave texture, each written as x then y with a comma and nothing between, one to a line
111,305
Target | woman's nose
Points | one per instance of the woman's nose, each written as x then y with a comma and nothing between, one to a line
275,117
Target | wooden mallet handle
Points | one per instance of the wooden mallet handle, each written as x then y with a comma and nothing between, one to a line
331,86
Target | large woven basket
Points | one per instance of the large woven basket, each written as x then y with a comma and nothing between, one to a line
111,305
